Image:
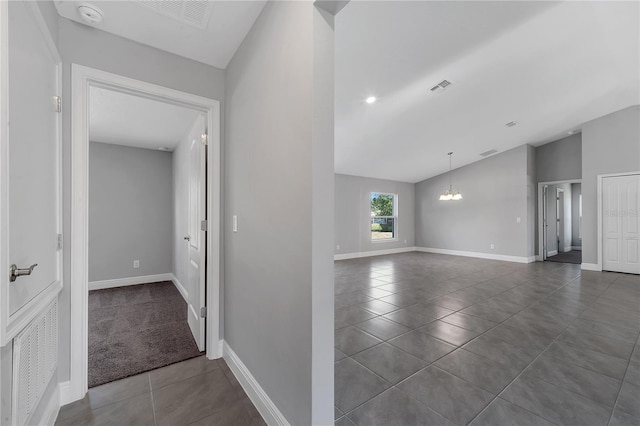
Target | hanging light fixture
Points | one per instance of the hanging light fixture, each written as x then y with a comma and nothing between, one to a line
450,194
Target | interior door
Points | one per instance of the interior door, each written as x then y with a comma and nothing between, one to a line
621,224
545,225
197,231
560,220
31,209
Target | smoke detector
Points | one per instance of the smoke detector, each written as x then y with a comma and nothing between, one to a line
441,86
90,14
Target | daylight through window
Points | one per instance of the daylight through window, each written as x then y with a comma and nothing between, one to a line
383,216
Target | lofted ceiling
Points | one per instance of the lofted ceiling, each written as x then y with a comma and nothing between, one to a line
124,119
208,31
548,66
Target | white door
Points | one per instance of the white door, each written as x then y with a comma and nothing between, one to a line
621,224
30,164
197,232
560,220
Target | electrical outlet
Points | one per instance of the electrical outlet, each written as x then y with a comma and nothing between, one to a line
492,246
235,223
518,220
338,247
136,263
405,241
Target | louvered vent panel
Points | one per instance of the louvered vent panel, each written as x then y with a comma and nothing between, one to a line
35,357
192,12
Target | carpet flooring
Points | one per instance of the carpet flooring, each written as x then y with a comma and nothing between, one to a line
573,256
135,329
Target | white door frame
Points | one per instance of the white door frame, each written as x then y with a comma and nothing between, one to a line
541,231
82,78
598,266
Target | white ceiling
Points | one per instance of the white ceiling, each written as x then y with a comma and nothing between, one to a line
124,119
228,24
549,66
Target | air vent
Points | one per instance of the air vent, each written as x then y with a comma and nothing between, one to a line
192,12
442,85
511,123
487,153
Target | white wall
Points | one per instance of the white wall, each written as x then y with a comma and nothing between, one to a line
130,211
279,183
91,47
610,144
495,194
353,214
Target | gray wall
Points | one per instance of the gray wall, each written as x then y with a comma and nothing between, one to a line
494,194
353,208
274,185
610,144
560,160
576,190
130,211
97,49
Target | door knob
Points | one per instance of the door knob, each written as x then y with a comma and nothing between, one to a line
17,272
188,238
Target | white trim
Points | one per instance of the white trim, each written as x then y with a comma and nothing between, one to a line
122,282
579,248
82,78
372,253
65,393
590,267
552,253
183,291
479,255
266,407
566,249
11,325
220,349
50,413
541,229
599,216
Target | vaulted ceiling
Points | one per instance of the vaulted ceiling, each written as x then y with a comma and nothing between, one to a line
548,66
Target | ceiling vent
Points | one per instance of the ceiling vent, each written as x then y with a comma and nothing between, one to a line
441,86
488,153
511,123
195,13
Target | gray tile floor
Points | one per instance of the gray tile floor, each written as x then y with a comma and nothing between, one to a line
193,392
441,340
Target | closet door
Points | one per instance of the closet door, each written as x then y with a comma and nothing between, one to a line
621,224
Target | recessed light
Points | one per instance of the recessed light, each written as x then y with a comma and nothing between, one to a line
90,14
371,99
511,123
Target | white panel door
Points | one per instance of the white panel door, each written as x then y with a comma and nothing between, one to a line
621,224
197,236
31,203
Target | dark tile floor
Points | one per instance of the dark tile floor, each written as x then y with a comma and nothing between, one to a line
194,392
440,340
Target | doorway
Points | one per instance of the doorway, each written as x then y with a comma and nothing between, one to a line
83,80
560,221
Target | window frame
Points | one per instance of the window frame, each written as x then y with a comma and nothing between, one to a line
394,217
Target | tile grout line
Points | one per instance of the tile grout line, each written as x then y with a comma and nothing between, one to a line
153,405
539,355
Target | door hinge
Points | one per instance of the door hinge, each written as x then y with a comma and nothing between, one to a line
203,225
203,312
58,102
59,245
204,138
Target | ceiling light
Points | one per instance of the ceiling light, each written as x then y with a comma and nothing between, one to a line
90,14
450,194
371,99
511,123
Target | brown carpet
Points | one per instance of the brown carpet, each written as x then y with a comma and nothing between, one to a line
135,329
573,256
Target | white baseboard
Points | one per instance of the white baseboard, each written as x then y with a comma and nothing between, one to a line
372,253
51,411
65,393
183,291
267,409
552,253
566,249
590,267
579,248
479,255
121,282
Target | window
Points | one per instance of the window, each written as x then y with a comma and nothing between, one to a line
383,216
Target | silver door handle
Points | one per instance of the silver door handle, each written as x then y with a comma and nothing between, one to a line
188,238
16,272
